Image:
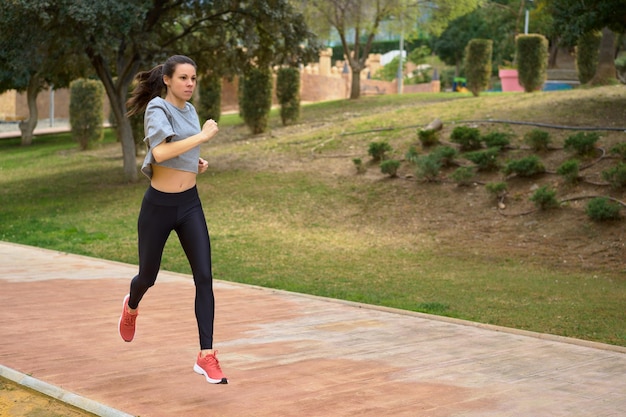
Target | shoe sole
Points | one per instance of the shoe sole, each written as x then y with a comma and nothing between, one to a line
119,323
197,369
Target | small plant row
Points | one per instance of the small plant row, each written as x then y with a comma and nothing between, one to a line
483,152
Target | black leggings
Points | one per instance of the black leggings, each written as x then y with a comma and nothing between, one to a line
160,214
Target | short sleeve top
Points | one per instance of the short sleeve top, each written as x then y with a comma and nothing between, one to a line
164,122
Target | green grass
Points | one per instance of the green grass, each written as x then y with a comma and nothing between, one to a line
298,230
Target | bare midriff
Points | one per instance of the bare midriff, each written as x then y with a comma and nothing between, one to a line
170,180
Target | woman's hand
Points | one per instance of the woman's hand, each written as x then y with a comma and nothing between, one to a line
209,129
202,165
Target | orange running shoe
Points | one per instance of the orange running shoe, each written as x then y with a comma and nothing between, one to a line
127,322
209,366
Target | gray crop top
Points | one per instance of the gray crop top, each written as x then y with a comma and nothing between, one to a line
165,122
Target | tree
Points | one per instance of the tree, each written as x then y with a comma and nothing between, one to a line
574,18
361,20
120,38
31,59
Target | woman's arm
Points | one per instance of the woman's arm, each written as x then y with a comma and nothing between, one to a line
168,150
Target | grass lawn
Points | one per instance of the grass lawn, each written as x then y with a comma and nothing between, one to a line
322,229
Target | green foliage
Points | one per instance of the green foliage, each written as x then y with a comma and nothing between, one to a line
411,155
497,140
619,149
478,64
569,171
360,167
288,94
537,139
444,155
498,189
428,137
378,150
601,209
467,137
485,160
616,176
210,97
427,167
532,61
545,198
255,100
390,167
86,111
389,71
463,175
525,167
583,143
587,52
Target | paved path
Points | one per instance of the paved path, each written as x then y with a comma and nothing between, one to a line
285,354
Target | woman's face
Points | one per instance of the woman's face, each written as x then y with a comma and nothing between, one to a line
181,85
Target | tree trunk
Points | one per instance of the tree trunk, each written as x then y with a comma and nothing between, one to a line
27,127
355,86
605,71
554,52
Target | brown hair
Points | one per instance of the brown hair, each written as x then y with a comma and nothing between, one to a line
150,83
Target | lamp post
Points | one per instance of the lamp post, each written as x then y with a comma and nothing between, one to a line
527,18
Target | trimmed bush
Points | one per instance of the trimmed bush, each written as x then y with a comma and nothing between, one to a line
378,150
444,155
498,189
255,100
360,167
532,61
587,52
478,64
427,168
545,198
619,150
525,167
485,160
616,176
467,137
497,140
537,139
601,209
411,155
584,144
390,167
428,137
463,175
288,94
569,171
86,111
210,98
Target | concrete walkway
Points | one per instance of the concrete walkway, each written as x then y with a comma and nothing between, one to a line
285,354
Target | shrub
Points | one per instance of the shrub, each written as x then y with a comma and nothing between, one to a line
412,154
378,150
619,150
360,167
587,52
478,64
390,167
428,137
444,155
569,171
544,198
467,137
210,97
427,167
525,167
486,160
256,99
582,143
498,189
616,176
288,94
537,139
532,61
497,139
463,175
602,209
86,111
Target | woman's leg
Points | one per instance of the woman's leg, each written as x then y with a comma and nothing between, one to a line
194,238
